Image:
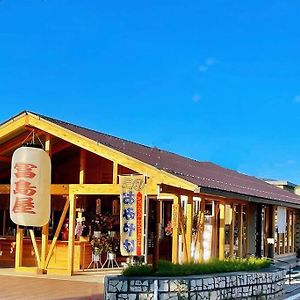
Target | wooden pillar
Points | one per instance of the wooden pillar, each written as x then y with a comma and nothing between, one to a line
293,231
240,233
201,229
82,166
221,231
45,228
158,209
258,229
215,230
175,223
284,235
19,247
189,225
232,225
4,223
270,233
72,216
248,224
115,172
289,225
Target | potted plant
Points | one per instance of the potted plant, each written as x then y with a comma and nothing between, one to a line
99,245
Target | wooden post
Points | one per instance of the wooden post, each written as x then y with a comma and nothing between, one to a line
293,231
82,166
189,225
175,221
222,231
158,208
283,237
289,242
201,229
231,251
45,228
240,222
4,223
19,248
115,173
183,235
35,248
60,223
215,230
72,216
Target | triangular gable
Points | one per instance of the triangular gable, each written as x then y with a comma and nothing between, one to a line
31,119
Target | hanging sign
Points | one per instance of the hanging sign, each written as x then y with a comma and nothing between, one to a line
30,187
132,214
281,219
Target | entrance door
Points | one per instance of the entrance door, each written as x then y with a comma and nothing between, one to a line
165,244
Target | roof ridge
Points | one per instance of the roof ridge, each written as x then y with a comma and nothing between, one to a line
94,130
120,139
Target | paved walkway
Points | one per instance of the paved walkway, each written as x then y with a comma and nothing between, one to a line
25,286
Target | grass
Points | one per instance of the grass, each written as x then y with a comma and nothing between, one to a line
166,268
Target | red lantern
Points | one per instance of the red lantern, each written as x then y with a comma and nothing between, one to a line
30,187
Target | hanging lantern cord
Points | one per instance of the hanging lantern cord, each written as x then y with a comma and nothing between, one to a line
33,139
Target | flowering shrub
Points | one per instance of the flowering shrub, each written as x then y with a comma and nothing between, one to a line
169,228
99,245
104,243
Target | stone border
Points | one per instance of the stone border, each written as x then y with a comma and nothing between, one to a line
238,285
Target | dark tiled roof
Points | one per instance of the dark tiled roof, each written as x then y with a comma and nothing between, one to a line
203,174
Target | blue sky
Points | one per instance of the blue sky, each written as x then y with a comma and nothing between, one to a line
212,80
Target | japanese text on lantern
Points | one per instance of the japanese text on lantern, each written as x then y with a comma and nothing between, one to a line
23,189
132,214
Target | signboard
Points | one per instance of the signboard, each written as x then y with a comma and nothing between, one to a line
30,187
132,207
281,219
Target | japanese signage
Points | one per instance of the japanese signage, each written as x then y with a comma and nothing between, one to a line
132,214
30,187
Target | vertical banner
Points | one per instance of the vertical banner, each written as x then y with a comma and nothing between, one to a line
281,219
132,207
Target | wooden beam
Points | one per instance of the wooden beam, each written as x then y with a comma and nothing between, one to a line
72,216
240,232
45,228
288,212
19,248
35,248
183,234
59,189
12,125
221,231
248,224
57,231
5,159
82,166
201,228
17,141
104,189
4,222
175,224
56,189
189,225
231,237
293,231
115,172
109,153
60,146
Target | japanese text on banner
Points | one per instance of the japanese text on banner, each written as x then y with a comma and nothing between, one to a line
132,214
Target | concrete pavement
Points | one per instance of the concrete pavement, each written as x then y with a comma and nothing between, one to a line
25,286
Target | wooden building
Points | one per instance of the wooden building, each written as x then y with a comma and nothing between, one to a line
197,209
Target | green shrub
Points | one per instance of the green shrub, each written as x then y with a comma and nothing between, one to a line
166,268
138,270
